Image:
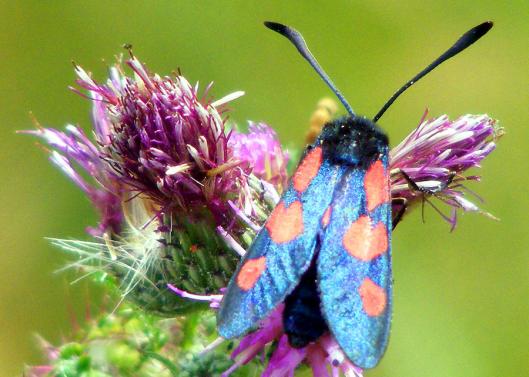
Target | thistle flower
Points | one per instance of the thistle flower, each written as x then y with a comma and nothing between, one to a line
436,155
164,142
167,178
260,147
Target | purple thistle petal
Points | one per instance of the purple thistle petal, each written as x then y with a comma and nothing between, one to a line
40,371
214,300
284,360
73,153
316,358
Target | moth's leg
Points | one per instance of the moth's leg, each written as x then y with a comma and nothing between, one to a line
398,172
403,203
416,188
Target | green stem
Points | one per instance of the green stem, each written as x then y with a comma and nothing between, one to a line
189,330
165,361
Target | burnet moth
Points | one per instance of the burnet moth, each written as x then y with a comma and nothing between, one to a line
325,251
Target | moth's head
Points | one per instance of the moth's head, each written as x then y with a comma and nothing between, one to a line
353,140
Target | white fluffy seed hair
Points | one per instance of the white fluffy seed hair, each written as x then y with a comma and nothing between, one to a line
136,250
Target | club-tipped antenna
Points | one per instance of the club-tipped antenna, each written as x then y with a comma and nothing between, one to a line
462,43
297,40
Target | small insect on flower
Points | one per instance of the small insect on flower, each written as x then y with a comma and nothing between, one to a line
325,251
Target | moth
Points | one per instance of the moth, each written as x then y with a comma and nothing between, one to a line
325,250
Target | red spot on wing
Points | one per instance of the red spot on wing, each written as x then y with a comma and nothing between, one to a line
250,272
285,224
326,217
365,242
307,169
376,184
373,297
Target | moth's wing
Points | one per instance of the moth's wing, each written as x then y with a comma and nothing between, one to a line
354,264
283,249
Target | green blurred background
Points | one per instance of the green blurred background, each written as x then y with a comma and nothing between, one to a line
461,299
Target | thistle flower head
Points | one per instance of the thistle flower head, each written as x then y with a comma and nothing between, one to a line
161,140
437,154
157,140
260,147
167,180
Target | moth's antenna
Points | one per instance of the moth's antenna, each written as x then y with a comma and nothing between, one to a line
462,43
297,40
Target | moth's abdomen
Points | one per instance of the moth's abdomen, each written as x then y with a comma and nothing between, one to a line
302,318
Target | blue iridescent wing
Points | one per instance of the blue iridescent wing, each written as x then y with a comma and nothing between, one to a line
283,249
354,264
